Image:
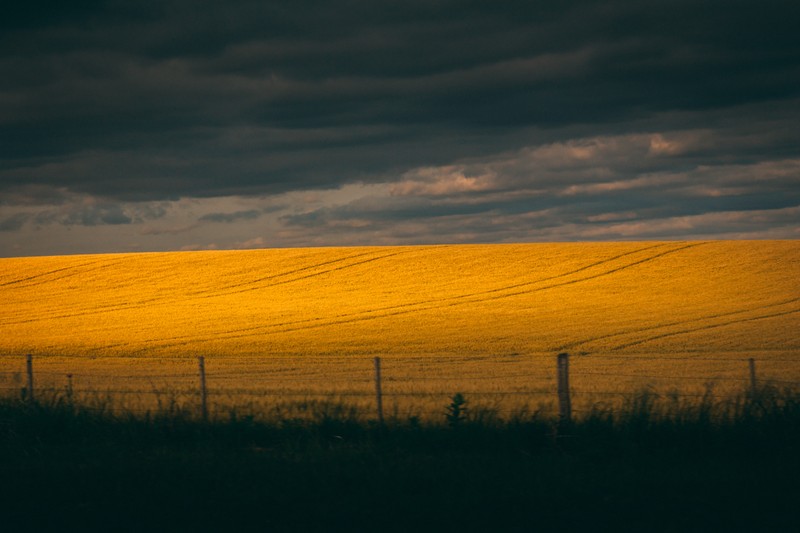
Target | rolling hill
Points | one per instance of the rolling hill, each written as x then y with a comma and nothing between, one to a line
629,311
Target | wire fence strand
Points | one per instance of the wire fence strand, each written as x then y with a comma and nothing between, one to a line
417,384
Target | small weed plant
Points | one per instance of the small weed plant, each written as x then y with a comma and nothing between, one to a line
457,410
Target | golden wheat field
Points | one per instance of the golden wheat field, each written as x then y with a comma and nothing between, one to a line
281,328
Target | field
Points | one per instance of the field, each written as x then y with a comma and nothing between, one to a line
277,326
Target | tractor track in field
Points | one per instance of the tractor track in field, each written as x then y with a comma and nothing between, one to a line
425,305
633,332
217,291
19,282
200,295
94,311
702,328
307,276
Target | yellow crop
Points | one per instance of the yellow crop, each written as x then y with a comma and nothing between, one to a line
485,320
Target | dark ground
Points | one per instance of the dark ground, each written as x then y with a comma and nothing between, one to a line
62,470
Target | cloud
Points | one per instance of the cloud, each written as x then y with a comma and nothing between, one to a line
611,187
196,247
774,223
188,123
14,222
69,209
443,181
256,242
250,214
97,214
169,230
148,103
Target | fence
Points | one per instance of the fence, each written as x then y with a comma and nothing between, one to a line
413,386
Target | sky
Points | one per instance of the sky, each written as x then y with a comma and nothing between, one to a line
197,124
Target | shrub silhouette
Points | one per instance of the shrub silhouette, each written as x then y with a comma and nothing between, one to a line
457,410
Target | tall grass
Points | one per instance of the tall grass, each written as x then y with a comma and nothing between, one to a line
640,409
658,463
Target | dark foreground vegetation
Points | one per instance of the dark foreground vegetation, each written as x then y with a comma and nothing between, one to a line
650,466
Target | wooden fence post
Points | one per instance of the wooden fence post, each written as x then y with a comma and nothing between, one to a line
69,388
203,392
564,405
29,367
378,391
753,384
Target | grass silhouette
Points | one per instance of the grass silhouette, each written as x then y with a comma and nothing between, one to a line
658,464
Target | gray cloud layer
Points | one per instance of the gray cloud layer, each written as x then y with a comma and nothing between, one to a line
110,109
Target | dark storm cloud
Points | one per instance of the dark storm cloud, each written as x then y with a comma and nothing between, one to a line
641,180
201,122
96,215
250,214
80,211
160,100
14,222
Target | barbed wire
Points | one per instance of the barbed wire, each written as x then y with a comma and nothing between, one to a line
211,377
432,359
333,393
683,358
426,358
288,379
648,376
219,386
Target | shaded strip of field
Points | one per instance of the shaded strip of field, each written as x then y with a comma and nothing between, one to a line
631,332
701,328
